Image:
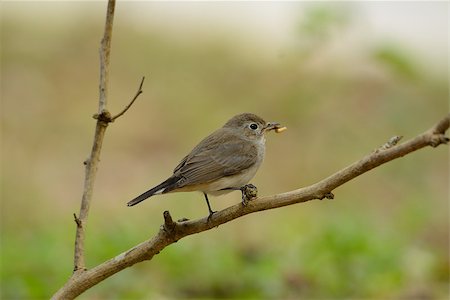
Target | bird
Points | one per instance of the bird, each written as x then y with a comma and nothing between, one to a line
224,161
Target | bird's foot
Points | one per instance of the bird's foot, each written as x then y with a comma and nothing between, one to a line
328,195
249,192
211,213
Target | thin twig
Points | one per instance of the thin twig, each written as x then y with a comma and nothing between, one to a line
105,54
177,230
169,224
139,91
91,164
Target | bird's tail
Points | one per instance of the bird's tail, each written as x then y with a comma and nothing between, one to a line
159,189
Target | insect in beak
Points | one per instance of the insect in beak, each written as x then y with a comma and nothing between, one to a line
274,126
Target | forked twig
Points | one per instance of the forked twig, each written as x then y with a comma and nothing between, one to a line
139,91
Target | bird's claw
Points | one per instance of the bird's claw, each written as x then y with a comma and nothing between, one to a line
249,192
211,213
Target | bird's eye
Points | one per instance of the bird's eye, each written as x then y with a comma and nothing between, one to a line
253,126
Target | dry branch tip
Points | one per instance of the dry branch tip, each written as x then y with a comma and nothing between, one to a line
169,224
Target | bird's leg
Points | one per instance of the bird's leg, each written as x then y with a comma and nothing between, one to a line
249,192
211,212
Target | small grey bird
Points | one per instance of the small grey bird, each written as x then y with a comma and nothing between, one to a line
224,161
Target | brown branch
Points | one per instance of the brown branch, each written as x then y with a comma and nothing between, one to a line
172,231
90,173
105,54
91,164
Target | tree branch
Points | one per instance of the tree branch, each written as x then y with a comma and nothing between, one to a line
103,118
105,54
91,164
172,231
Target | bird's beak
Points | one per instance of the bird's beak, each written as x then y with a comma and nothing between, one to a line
271,126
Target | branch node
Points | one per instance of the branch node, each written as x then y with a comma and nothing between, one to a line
442,126
328,195
438,139
77,269
391,143
104,117
78,221
169,224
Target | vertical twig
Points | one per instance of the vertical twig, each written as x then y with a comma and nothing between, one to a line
105,50
103,118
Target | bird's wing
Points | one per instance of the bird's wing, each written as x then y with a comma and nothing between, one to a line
218,155
181,164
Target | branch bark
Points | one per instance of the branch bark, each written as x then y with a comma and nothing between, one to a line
171,231
91,164
105,54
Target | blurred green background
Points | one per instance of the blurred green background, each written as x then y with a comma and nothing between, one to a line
343,78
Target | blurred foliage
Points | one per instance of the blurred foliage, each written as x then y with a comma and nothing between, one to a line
384,236
396,60
321,21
